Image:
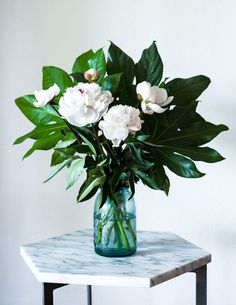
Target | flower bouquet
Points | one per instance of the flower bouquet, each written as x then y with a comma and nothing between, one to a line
121,122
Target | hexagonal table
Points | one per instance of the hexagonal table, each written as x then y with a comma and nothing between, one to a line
70,259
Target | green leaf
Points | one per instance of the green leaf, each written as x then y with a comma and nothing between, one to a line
131,184
160,177
111,83
75,171
83,149
187,90
115,177
57,170
169,123
44,143
81,63
98,62
94,179
178,164
119,62
150,66
142,163
205,154
87,136
38,116
200,133
64,144
79,77
41,131
54,75
146,179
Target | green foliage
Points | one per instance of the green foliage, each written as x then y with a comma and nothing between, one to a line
38,116
82,62
187,90
150,66
54,75
172,140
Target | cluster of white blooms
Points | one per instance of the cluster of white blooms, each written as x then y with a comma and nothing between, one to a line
84,104
87,103
45,96
119,121
153,98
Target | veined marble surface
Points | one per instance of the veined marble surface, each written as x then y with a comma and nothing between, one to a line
70,259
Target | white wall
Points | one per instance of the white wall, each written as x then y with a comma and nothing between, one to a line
194,37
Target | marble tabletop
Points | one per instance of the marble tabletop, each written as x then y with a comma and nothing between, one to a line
70,259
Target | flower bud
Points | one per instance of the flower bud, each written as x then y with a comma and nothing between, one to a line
91,75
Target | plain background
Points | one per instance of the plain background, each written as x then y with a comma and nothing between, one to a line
194,37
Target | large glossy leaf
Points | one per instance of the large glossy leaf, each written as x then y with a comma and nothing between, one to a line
54,75
205,154
118,62
187,90
150,66
74,172
178,164
160,177
146,179
200,133
98,62
82,62
58,157
41,131
38,116
88,138
44,143
111,83
168,123
94,179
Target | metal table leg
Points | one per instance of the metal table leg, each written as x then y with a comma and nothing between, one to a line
89,294
201,285
48,289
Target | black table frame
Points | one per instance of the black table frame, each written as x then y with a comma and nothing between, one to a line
201,289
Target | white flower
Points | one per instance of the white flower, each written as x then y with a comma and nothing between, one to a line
153,98
45,96
119,121
84,104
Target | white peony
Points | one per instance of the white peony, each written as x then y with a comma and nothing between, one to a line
153,98
45,96
119,121
84,104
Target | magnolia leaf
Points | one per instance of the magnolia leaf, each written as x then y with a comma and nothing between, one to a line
81,63
187,90
178,164
41,131
44,143
38,116
150,66
92,181
205,154
75,171
119,62
98,62
54,75
199,133
146,179
111,83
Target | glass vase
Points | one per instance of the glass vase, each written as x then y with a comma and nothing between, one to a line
115,225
